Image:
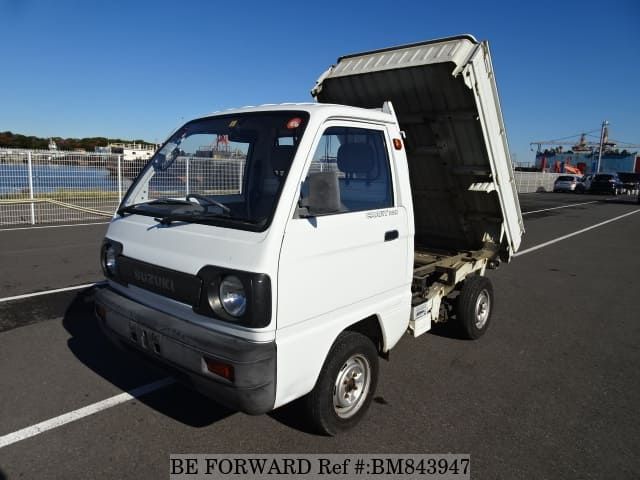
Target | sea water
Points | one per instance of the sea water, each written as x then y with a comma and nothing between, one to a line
53,178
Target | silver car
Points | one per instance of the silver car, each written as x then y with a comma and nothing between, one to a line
565,183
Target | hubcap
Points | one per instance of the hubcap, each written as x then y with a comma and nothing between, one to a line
483,307
352,386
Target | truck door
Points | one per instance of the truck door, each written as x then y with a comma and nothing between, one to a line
350,258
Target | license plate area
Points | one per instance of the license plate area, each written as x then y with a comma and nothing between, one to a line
145,338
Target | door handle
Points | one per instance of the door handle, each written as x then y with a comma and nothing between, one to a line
391,235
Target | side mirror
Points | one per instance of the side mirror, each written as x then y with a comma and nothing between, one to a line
324,194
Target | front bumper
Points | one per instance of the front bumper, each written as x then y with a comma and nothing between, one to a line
184,348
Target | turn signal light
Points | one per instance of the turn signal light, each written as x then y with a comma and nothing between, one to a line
219,368
397,144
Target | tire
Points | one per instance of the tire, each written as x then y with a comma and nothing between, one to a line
345,387
474,307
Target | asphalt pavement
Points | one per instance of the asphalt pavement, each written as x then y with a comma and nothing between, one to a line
551,391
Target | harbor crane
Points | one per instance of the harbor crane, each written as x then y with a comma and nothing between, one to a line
582,145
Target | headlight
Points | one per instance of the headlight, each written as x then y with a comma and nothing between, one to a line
232,296
110,260
243,298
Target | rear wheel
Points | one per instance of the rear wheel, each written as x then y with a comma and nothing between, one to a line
475,305
345,388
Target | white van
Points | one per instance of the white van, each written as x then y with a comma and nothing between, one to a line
273,253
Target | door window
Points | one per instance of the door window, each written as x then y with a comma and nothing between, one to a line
349,173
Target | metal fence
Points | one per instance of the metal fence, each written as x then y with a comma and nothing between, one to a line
203,175
47,187
529,182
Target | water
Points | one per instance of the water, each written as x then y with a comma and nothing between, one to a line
53,178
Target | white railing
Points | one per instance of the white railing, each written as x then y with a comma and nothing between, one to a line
39,186
530,182
48,187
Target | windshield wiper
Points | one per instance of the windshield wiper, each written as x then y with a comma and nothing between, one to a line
159,201
206,218
179,217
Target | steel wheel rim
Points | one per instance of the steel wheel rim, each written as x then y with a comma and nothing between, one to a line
352,386
482,309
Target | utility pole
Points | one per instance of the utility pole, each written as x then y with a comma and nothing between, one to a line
604,125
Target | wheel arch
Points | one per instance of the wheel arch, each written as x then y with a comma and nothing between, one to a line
370,327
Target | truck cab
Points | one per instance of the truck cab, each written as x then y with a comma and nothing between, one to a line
275,253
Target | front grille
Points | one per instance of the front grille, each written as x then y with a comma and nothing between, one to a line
179,286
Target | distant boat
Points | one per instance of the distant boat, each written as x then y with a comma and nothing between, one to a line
130,151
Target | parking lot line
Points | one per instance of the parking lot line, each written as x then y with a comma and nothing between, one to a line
82,412
52,226
564,237
47,292
562,206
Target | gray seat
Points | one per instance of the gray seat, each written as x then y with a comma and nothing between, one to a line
356,160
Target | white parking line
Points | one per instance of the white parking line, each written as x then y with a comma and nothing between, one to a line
47,292
564,237
563,206
52,226
82,412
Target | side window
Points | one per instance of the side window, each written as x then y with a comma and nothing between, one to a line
349,173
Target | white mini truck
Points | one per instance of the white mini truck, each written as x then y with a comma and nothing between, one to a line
274,253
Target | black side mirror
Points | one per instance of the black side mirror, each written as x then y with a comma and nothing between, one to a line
324,194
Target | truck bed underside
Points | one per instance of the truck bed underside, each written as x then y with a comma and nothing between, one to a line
438,272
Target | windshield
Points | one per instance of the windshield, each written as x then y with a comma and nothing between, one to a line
226,170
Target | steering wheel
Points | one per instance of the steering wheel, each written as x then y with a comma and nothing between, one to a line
206,201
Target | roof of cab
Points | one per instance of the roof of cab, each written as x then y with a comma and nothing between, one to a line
327,110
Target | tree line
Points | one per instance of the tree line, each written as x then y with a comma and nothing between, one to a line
16,140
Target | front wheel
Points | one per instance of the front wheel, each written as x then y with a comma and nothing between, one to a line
345,387
475,305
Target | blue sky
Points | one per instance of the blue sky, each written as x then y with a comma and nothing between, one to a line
136,69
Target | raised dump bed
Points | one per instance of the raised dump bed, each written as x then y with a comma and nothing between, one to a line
445,97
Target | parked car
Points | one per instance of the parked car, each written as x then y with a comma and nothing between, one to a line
606,183
565,183
584,184
630,181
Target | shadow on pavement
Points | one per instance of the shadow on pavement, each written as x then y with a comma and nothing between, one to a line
293,416
449,329
127,371
622,199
